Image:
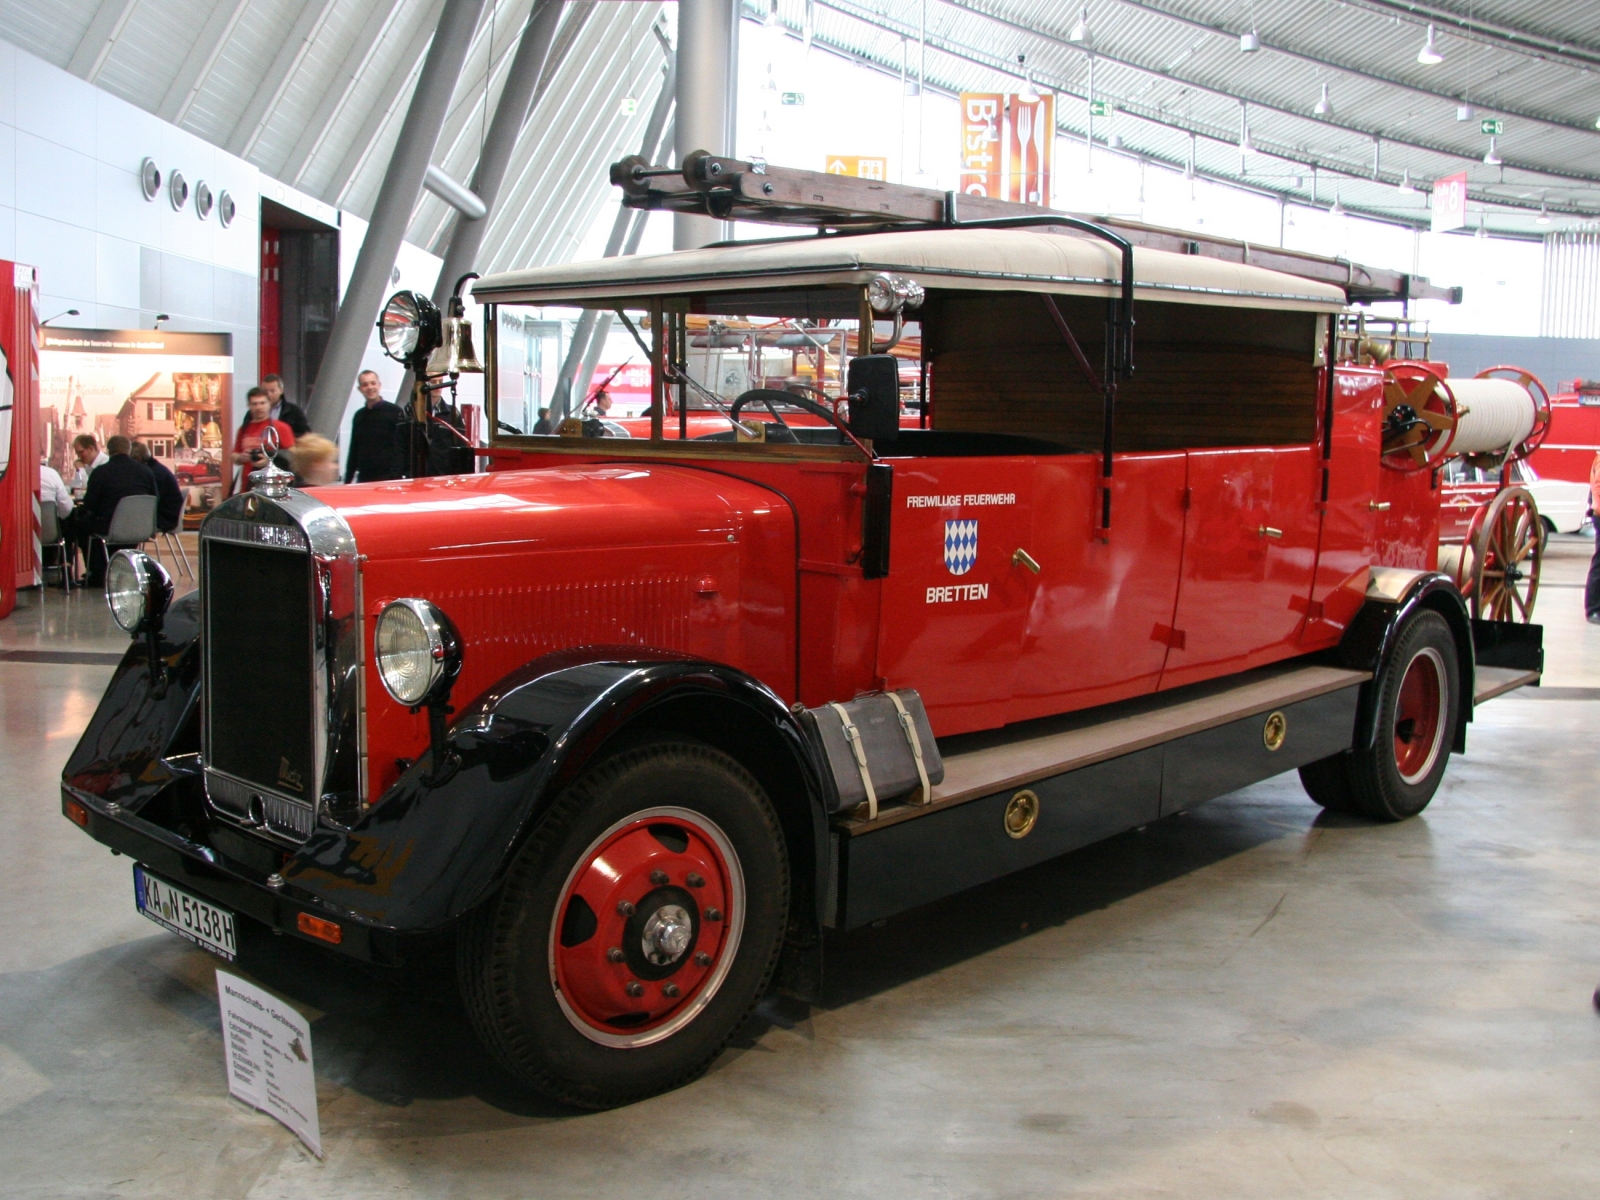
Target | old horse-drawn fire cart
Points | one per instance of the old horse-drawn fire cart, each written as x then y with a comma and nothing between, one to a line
639,713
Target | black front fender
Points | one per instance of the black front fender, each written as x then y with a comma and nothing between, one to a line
425,855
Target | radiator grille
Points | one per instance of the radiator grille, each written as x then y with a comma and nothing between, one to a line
256,806
260,703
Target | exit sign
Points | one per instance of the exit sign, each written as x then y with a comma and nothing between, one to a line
1493,126
1099,108
797,99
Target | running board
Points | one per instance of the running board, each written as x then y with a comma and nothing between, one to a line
976,765
1016,797
1497,681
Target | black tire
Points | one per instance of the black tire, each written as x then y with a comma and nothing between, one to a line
512,951
1398,775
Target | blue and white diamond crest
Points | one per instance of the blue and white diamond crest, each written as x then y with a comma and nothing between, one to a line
960,545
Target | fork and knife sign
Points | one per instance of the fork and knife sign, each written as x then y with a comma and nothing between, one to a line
1031,126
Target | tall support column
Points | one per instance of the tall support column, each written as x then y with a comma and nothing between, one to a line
656,140
527,80
708,52
402,183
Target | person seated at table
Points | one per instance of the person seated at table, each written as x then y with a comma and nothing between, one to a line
119,476
314,461
169,495
247,452
89,455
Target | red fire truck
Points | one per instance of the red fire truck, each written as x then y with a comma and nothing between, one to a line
637,719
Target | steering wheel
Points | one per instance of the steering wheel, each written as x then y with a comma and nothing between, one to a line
770,398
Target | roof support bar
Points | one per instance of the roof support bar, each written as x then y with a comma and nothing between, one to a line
402,183
529,75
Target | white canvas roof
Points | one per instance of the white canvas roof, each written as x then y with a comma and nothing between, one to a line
988,259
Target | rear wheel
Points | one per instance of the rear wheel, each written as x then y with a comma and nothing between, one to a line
1418,691
636,930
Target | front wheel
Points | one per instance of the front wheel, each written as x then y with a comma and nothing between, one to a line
1418,693
636,930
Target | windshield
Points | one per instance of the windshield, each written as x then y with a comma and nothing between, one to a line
766,367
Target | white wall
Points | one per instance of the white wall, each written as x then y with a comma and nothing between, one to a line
70,205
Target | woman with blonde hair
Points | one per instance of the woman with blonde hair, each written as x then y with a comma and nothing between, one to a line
314,461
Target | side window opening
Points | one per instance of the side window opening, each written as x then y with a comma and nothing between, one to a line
1205,375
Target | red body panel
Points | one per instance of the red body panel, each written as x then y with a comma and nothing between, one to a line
1093,628
1249,548
533,561
952,621
1573,441
19,485
1348,543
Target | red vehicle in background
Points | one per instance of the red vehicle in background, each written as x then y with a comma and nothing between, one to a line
635,720
1574,440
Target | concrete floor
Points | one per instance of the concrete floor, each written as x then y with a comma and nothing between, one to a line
1252,1000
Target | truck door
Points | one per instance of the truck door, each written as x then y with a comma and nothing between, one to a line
1350,518
1249,549
1098,626
954,601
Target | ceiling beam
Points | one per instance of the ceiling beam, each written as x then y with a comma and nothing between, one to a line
861,13
262,106
1166,121
374,31
198,63
1444,98
1509,37
105,27
381,107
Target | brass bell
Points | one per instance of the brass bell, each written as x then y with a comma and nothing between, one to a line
455,354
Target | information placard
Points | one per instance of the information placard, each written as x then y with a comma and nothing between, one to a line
268,1050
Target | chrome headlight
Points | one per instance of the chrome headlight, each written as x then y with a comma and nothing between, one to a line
418,651
138,589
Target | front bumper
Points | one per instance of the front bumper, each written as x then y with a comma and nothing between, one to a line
237,886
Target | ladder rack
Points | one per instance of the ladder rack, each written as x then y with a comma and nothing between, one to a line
732,189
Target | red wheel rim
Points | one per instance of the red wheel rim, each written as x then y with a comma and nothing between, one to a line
1419,715
646,927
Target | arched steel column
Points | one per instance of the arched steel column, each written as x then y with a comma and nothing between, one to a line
707,86
397,197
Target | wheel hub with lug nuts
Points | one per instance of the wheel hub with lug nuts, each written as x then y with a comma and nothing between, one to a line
646,927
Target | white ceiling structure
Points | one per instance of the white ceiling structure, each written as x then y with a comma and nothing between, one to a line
1183,90
313,91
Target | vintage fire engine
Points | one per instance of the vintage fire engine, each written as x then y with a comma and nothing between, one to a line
640,712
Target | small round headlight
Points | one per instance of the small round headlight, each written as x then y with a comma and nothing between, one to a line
417,650
881,294
138,589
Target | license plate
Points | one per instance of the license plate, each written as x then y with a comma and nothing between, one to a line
203,923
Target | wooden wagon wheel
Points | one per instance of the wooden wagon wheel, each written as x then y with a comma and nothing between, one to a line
1541,406
1419,417
1508,548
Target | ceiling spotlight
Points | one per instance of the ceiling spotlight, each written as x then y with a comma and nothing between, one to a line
1029,94
1492,159
1324,106
1406,188
1337,209
1250,42
1080,31
1464,111
1246,146
1114,142
1429,55
1597,122
1544,214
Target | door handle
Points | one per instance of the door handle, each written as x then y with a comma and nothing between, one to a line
1378,505
1267,531
1023,559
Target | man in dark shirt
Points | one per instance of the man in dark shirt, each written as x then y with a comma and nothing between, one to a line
117,477
287,411
374,451
169,493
